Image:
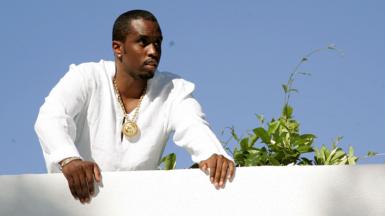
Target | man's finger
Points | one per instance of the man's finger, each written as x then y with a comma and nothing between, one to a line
77,187
230,174
222,181
203,165
90,181
218,170
212,166
71,185
97,174
83,186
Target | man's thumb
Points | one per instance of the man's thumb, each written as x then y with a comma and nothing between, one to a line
97,174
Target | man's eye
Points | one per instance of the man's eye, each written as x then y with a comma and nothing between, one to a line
143,41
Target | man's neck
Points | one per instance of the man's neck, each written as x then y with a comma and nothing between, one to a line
128,87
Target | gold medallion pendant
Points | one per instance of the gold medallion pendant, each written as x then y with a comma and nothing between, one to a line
130,129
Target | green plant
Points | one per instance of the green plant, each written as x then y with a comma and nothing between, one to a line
371,154
168,161
335,156
280,142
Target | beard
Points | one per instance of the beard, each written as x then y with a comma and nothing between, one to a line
142,75
146,76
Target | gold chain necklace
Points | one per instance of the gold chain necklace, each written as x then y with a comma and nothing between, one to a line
130,128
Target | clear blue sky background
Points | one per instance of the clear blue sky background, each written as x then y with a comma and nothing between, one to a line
237,52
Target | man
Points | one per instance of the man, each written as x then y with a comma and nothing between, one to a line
118,115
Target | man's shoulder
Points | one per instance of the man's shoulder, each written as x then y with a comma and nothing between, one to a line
94,67
171,83
92,74
165,77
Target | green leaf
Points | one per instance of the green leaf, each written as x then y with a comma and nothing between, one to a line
244,143
308,136
371,154
260,118
239,157
293,126
351,151
253,151
338,155
305,149
287,111
285,88
324,153
274,161
305,161
233,134
252,139
343,161
352,159
273,126
305,139
330,156
169,161
305,73
319,156
293,90
261,132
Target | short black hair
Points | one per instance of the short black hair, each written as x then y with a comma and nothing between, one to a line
122,23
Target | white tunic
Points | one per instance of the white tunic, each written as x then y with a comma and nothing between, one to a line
82,117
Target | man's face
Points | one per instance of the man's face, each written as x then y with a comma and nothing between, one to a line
141,50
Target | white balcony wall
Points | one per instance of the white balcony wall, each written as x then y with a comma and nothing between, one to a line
299,191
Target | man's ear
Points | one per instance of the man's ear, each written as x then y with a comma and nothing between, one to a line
117,48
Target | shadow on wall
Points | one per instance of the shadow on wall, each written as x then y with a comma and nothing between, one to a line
38,197
338,202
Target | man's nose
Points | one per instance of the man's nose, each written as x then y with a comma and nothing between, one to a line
153,51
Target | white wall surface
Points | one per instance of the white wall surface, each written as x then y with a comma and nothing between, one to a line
307,190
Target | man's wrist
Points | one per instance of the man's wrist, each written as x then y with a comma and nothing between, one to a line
67,161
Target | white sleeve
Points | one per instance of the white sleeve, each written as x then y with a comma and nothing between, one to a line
55,125
192,131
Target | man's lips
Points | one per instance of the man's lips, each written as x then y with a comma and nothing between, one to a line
151,62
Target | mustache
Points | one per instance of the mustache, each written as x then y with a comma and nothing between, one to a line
151,61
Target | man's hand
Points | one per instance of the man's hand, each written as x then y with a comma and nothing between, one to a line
80,176
220,168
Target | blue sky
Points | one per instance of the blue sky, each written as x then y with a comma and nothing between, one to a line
238,54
